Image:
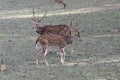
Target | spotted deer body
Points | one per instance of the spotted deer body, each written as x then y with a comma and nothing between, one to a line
47,40
62,30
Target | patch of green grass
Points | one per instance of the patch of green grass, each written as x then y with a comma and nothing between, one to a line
96,57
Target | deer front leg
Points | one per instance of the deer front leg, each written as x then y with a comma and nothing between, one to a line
46,61
62,56
45,50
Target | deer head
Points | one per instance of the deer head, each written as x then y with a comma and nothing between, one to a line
77,34
37,21
77,31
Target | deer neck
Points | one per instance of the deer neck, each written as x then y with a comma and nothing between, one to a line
38,29
68,39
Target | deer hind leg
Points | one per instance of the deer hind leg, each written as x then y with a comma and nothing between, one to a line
39,50
62,55
43,51
37,56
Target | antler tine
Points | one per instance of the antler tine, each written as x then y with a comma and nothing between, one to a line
43,16
71,20
33,14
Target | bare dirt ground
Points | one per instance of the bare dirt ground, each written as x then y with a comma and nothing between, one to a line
96,57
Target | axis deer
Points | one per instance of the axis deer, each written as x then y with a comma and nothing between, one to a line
44,41
59,2
61,29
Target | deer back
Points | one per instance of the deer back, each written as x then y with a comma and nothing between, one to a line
51,40
62,30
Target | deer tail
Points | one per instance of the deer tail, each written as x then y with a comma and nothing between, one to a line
36,44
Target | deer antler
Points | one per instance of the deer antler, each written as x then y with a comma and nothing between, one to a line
33,14
72,18
42,17
39,20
